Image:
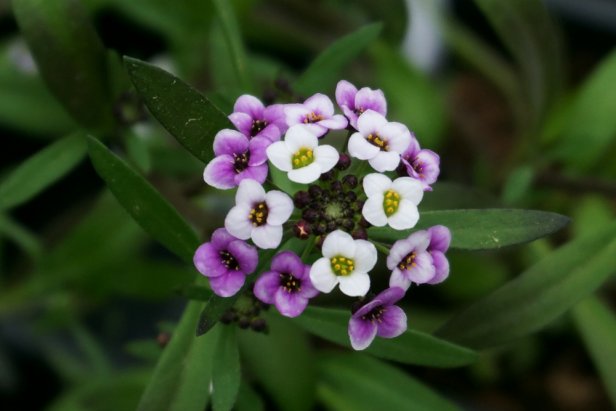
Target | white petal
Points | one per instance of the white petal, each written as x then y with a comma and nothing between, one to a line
337,122
326,157
376,183
400,142
385,161
338,243
237,222
365,255
370,121
373,211
267,236
249,192
398,279
294,113
355,285
322,276
405,217
280,207
320,103
305,175
280,156
409,189
298,137
360,148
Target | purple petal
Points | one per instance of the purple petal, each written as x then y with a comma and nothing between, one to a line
361,333
266,286
289,304
228,284
307,290
399,279
441,266
390,296
393,322
417,242
320,104
368,99
271,132
258,153
242,121
257,173
220,172
423,271
366,308
440,238
229,141
345,95
351,115
245,255
427,166
207,261
221,238
288,262
250,105
274,114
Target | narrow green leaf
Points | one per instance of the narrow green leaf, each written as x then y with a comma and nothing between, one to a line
412,347
357,382
325,69
147,207
231,32
597,325
41,170
70,57
190,117
21,236
483,229
537,296
248,399
226,376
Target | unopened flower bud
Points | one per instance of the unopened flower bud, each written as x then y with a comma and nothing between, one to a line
343,162
360,234
336,186
327,176
311,215
350,181
348,224
301,199
315,191
258,324
302,229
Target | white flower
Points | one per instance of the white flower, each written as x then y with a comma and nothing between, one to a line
346,262
379,141
301,156
394,203
258,215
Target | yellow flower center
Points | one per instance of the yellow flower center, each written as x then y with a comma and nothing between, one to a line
408,261
378,141
391,202
342,265
258,214
302,157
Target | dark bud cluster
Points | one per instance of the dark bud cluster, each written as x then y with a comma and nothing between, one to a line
247,313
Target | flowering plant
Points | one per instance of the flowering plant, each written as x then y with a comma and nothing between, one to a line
295,177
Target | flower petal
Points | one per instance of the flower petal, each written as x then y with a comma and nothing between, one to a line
288,262
373,211
385,161
409,189
405,217
221,238
246,256
365,255
336,122
237,222
320,104
220,172
355,285
230,142
440,238
418,242
322,276
257,173
370,122
441,267
228,284
305,175
338,243
376,183
345,94
360,148
361,333
295,113
298,137
429,164
249,193
423,271
326,157
368,99
399,280
280,207
266,286
274,114
267,236
250,105
390,296
393,322
290,304
242,121
280,156
207,261
258,153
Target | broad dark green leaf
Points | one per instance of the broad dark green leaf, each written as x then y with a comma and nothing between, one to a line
357,382
276,359
537,296
452,196
483,229
248,399
226,376
231,31
412,347
324,71
41,170
153,213
70,57
190,117
597,325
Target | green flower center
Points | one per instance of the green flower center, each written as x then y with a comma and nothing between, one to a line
342,265
391,202
302,157
258,214
376,140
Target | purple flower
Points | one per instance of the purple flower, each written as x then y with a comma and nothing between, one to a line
410,261
226,261
253,119
237,158
422,165
317,112
440,238
353,103
287,285
378,317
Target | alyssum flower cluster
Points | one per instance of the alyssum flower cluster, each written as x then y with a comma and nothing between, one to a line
340,188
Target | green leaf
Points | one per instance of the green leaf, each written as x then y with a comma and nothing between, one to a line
412,347
324,71
70,57
190,117
41,170
597,325
357,382
248,399
226,376
537,296
147,207
452,196
590,125
182,375
21,236
276,359
233,39
483,229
